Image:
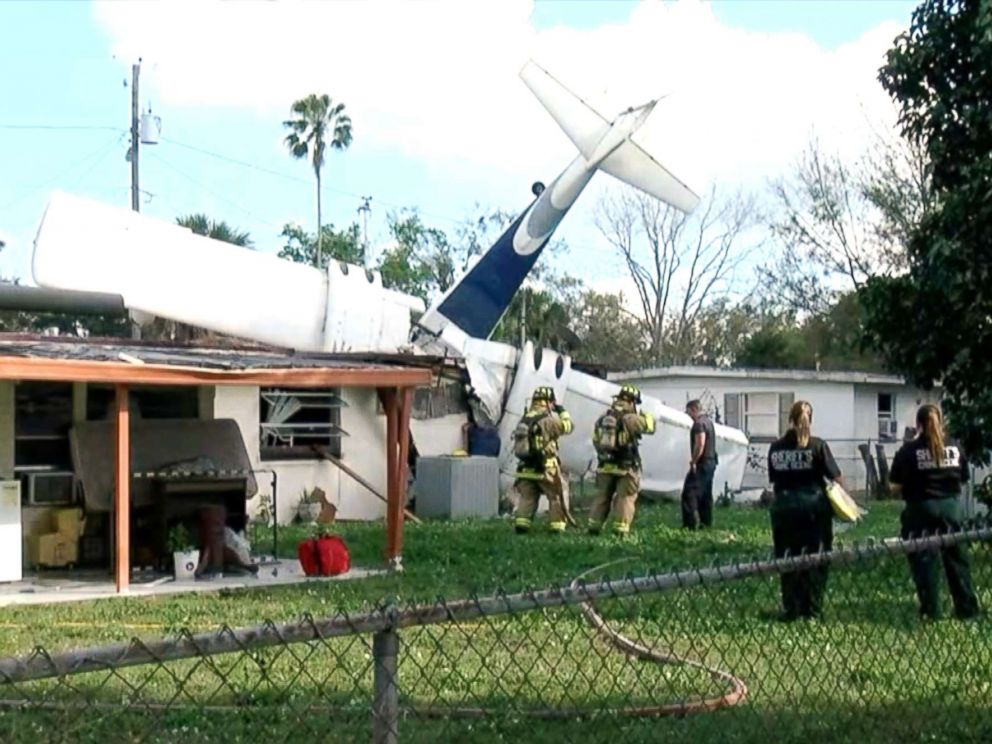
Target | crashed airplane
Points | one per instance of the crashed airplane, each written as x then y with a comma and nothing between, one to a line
84,246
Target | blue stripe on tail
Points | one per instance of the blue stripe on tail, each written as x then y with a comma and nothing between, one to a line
483,294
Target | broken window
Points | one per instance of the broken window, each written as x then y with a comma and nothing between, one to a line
294,424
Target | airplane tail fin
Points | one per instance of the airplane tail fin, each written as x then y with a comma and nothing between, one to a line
477,301
586,128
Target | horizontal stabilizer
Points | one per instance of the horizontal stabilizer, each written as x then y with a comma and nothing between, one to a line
595,137
632,164
583,125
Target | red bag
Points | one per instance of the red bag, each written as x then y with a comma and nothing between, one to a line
309,561
332,555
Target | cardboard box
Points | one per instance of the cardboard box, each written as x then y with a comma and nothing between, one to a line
69,522
52,550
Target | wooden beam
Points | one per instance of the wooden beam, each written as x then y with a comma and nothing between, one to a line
322,451
393,527
122,491
82,370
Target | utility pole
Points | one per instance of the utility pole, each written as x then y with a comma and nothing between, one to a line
364,210
135,72
523,317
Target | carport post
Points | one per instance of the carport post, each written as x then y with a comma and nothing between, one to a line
405,403
394,521
398,403
122,490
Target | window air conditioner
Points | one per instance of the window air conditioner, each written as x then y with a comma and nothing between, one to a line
888,429
52,487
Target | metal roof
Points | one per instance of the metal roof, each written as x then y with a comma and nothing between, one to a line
121,360
805,375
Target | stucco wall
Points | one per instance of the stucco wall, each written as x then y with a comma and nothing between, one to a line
364,450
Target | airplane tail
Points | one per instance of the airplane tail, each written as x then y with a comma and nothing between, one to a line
626,161
478,300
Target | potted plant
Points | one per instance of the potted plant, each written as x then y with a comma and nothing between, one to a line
309,506
185,556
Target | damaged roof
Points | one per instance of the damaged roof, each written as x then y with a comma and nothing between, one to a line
40,357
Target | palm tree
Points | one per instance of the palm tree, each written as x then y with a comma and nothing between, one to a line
203,225
319,123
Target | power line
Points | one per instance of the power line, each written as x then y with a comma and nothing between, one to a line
98,154
296,179
61,127
235,161
210,191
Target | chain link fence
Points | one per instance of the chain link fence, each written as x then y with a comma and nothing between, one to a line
867,477
689,655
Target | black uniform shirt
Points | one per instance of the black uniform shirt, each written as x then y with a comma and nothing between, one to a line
914,469
794,468
703,425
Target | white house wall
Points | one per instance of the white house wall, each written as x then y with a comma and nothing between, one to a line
364,450
833,413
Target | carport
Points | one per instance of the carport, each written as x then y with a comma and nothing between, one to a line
122,366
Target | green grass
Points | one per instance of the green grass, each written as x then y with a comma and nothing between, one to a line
869,672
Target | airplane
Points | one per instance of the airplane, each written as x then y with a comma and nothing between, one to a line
162,269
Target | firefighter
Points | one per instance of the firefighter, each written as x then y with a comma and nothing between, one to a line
618,476
535,444
928,472
799,466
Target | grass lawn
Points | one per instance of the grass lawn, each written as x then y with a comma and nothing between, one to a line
871,671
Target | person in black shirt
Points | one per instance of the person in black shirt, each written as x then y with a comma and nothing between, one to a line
928,472
697,493
799,466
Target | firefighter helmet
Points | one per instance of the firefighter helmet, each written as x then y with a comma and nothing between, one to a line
544,393
631,393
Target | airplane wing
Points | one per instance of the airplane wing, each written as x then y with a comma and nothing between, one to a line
632,164
583,125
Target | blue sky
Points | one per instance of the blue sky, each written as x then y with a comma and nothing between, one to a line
65,109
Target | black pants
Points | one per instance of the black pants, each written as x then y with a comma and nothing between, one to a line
931,517
798,530
697,497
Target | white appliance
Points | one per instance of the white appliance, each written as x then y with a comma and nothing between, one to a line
10,531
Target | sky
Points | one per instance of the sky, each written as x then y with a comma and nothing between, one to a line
441,121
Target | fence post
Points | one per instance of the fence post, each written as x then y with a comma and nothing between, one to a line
386,702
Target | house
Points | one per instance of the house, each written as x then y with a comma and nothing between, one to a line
851,410
104,416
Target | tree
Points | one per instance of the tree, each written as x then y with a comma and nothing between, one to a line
319,123
609,334
934,323
424,261
775,337
421,261
203,225
841,224
339,245
678,263
548,310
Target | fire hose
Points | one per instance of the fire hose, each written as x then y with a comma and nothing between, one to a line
735,694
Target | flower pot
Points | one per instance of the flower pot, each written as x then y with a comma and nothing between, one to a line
309,512
185,564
